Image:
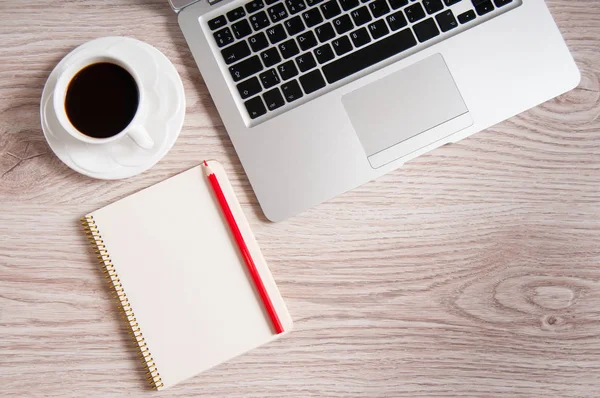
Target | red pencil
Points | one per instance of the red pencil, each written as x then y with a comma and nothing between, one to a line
235,230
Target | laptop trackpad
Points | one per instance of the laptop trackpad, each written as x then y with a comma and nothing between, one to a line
407,110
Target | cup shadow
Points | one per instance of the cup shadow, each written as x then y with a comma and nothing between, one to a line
33,139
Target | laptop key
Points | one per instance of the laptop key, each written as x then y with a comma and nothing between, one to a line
217,22
324,53
369,55
360,37
312,81
349,4
223,37
241,29
378,29
312,17
361,16
254,6
287,70
343,24
426,30
295,6
255,107
294,25
484,7
269,84
305,62
501,3
270,57
249,87
288,49
433,6
277,12
258,42
414,12
259,20
466,16
291,91
276,34
325,32
269,78
330,9
398,3
379,8
341,45
446,20
246,68
396,20
306,40
236,14
273,99
235,52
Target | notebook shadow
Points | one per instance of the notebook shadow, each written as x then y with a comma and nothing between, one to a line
124,328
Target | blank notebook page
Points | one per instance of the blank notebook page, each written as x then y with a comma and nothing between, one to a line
188,286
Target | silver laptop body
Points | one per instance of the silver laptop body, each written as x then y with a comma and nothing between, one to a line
321,96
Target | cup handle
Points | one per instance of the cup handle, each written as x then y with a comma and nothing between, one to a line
140,136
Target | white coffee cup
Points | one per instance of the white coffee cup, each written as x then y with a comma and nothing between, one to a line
135,130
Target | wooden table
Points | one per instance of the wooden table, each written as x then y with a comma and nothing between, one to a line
472,271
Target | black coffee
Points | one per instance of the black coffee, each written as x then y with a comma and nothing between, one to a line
101,100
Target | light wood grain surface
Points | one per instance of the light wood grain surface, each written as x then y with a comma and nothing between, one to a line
472,271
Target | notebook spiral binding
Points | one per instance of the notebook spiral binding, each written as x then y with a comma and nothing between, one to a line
91,230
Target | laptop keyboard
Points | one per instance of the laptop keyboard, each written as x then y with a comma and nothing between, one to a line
282,52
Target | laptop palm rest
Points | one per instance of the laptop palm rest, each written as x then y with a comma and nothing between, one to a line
407,110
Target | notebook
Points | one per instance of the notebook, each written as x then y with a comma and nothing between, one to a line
180,277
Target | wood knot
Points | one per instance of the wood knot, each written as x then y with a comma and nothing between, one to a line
553,297
555,323
555,306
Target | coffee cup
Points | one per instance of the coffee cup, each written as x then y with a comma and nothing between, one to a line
99,99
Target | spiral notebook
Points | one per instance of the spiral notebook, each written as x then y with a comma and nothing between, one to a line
180,278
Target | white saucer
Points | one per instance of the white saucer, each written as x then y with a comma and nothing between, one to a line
122,158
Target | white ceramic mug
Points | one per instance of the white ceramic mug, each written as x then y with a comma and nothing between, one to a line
135,130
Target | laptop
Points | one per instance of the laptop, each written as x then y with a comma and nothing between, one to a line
321,96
